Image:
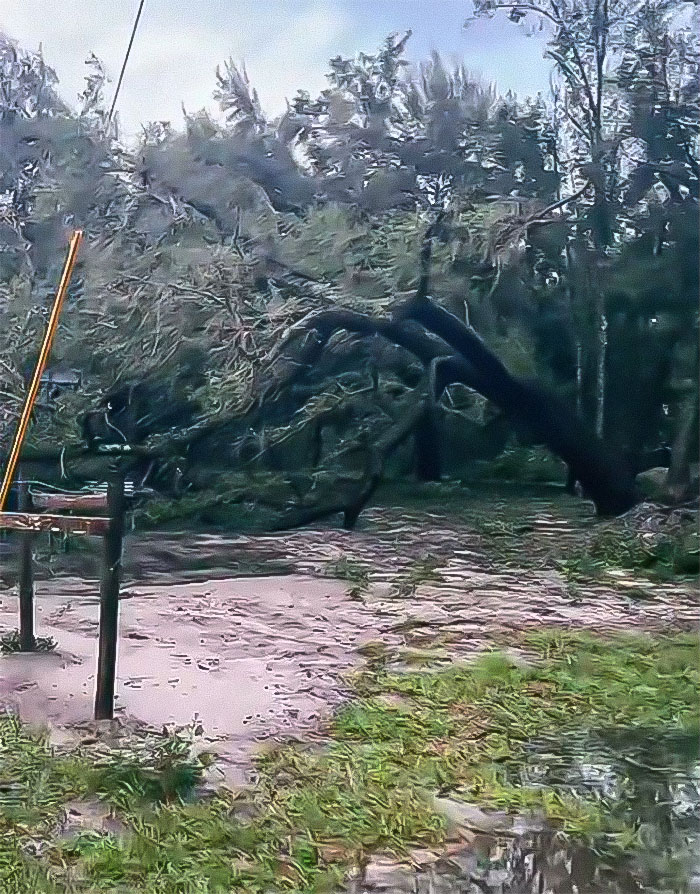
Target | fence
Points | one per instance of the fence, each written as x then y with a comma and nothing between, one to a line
112,501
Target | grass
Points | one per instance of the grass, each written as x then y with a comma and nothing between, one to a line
421,571
206,508
664,555
503,528
522,464
355,573
10,642
465,731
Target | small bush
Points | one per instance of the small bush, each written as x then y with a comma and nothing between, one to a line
664,553
524,464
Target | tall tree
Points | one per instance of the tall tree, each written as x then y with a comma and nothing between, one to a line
626,95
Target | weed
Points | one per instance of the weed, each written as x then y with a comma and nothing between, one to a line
465,730
355,573
10,643
422,571
503,528
664,554
524,464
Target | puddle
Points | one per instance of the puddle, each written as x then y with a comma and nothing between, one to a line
654,789
649,783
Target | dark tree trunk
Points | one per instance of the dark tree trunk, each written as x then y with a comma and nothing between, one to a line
352,504
428,461
604,474
678,480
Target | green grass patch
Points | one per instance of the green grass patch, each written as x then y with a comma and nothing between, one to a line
466,731
522,464
10,643
355,573
663,555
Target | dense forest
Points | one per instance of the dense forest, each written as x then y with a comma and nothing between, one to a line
401,276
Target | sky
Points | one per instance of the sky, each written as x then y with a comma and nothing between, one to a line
285,45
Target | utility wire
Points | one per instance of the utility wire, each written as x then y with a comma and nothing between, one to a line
126,59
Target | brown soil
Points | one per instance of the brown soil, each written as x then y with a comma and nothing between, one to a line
257,656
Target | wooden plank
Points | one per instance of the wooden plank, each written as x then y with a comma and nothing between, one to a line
109,601
72,524
57,502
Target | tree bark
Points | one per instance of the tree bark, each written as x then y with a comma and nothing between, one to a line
604,473
352,504
678,480
428,462
602,360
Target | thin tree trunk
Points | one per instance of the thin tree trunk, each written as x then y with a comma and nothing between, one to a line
428,464
678,480
600,371
26,577
579,379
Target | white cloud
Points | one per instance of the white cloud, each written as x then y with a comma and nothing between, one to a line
179,45
285,44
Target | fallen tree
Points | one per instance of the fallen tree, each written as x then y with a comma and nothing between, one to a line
454,353
604,474
429,349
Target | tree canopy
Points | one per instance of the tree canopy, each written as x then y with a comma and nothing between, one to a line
562,229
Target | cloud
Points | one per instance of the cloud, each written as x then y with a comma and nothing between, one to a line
285,44
178,46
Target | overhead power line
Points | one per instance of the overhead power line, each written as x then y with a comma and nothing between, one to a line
126,59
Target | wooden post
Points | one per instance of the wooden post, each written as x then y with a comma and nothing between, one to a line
109,600
26,576
35,383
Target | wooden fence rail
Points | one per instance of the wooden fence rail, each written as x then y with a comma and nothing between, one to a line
71,502
111,528
68,524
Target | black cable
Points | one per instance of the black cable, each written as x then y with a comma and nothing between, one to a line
126,59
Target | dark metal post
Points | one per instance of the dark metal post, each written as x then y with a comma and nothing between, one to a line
26,576
109,600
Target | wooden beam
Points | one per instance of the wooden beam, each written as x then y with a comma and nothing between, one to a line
71,524
26,576
57,502
109,600
35,383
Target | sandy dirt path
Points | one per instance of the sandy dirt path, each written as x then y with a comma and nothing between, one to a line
246,658
256,657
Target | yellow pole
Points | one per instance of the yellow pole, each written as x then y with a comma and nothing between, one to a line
40,366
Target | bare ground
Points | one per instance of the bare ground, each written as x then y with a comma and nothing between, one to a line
257,656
